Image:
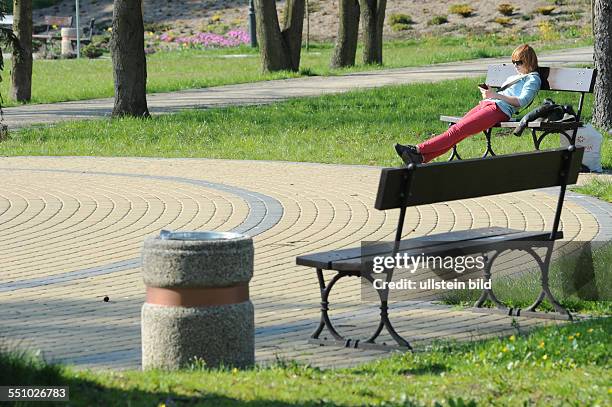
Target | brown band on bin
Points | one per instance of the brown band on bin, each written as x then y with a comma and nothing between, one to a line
197,297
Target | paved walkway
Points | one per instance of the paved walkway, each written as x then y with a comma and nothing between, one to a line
71,231
272,91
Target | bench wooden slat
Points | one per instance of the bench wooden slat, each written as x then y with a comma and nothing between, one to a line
451,248
434,182
455,119
565,79
44,36
324,260
532,125
58,21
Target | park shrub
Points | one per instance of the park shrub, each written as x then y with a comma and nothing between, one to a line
548,31
464,10
399,19
314,6
438,20
506,9
102,41
569,16
545,10
526,17
400,27
36,45
156,27
216,28
92,51
503,20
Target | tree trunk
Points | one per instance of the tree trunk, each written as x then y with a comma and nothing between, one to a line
348,32
292,31
129,61
279,50
372,17
602,109
21,78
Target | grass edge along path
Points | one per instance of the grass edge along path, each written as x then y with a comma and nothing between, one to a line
579,280
191,68
600,188
357,127
556,365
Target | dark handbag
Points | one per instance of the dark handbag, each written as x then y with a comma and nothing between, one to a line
548,111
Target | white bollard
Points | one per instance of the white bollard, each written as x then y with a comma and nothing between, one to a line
68,35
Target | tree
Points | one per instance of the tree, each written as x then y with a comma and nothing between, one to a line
348,32
279,49
602,29
129,61
372,17
21,78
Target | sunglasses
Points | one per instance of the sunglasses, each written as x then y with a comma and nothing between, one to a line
517,63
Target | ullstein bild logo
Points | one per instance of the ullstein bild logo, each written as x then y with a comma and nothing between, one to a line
411,263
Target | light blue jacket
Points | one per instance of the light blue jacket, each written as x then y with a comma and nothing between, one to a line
525,90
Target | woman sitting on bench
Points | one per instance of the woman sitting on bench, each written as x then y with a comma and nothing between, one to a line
518,91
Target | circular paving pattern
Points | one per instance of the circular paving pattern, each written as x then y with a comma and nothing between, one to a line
71,230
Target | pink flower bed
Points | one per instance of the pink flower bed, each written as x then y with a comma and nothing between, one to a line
232,38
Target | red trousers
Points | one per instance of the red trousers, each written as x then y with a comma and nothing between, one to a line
485,115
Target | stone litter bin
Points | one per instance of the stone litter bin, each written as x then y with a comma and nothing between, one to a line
197,305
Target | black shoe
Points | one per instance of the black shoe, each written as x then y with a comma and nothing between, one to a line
409,154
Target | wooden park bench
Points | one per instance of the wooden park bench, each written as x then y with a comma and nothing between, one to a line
54,24
442,182
577,80
60,22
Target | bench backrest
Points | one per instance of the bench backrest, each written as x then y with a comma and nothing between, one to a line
449,181
58,21
564,79
91,28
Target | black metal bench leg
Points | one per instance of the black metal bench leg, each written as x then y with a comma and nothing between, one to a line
489,150
536,142
325,322
487,293
454,154
385,322
340,340
546,293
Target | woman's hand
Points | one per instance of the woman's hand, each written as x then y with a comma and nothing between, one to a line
488,94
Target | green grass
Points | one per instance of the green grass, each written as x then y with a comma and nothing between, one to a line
168,71
358,127
567,365
580,281
598,187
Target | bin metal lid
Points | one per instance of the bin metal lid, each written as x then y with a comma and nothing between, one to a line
203,235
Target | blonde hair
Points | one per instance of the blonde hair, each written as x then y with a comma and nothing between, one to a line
526,54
